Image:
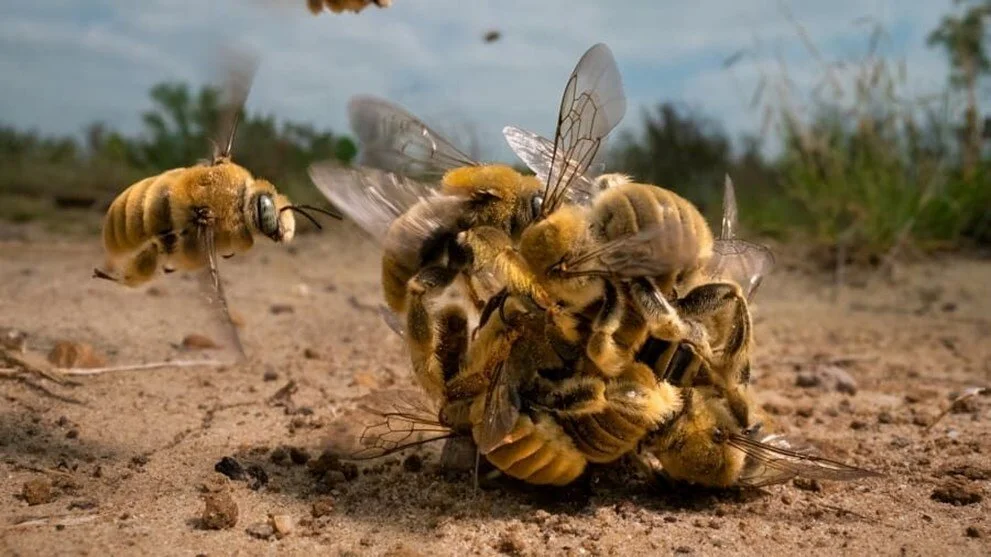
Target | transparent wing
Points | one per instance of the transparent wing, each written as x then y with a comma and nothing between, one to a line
743,262
653,251
592,105
392,320
773,462
374,198
502,410
240,67
537,152
385,422
393,139
213,291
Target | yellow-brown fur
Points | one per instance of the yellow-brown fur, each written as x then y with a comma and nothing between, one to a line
160,210
692,447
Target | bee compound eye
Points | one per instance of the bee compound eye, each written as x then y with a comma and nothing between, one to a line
267,219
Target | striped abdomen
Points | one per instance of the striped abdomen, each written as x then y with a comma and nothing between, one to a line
629,208
540,452
140,214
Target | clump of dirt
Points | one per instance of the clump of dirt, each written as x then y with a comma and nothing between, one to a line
219,512
958,492
38,491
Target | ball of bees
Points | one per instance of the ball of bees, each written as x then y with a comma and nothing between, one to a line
600,336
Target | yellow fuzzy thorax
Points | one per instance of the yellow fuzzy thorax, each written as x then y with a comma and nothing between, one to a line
496,179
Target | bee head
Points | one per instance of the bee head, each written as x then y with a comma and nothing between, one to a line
694,447
549,241
271,213
268,214
500,194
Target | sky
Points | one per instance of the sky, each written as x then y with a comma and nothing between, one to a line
68,63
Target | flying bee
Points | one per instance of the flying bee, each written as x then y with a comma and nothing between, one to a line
417,193
182,218
338,6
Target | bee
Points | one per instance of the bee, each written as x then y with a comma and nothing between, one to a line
338,6
416,193
182,218
716,440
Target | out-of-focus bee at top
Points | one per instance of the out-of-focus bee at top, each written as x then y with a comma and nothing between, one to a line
338,6
492,35
183,218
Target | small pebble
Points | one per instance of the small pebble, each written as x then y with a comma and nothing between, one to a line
196,341
279,309
299,456
38,491
68,354
282,524
270,375
261,530
323,506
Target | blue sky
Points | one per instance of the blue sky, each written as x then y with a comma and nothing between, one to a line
68,63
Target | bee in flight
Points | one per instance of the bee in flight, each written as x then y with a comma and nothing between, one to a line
183,218
416,192
338,6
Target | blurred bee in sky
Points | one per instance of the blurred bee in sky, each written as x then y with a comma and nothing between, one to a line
183,218
416,192
338,6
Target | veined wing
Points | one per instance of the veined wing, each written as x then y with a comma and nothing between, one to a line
392,139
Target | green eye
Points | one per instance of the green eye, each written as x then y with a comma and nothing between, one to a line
266,217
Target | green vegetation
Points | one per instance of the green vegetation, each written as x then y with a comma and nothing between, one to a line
39,174
860,166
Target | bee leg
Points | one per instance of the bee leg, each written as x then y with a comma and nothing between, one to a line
609,356
663,319
473,296
101,274
491,248
577,395
430,279
722,307
437,346
141,268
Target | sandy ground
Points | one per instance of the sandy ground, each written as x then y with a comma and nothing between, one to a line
129,462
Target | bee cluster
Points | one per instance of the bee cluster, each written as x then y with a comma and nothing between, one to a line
565,318
554,320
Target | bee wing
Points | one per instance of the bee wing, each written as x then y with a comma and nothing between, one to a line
213,291
773,462
374,198
743,262
538,154
592,105
393,320
502,410
646,253
240,67
393,139
385,422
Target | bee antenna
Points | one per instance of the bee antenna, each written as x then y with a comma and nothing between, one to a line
301,209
